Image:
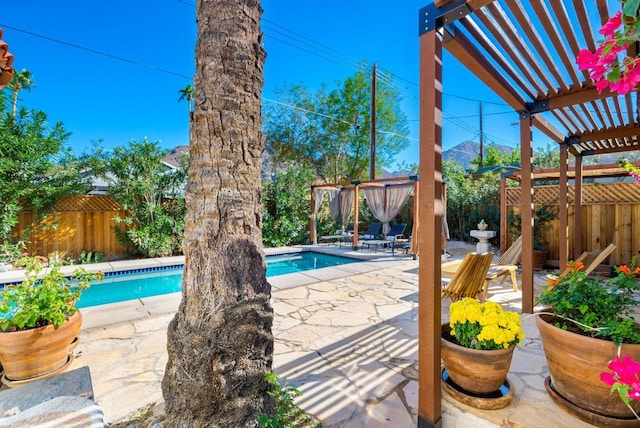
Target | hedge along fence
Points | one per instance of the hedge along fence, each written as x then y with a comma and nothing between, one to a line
76,224
610,214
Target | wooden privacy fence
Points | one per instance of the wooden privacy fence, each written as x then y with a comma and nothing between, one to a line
610,214
77,224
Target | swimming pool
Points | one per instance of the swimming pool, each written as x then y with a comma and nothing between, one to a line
122,287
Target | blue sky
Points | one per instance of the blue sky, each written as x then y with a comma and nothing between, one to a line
135,96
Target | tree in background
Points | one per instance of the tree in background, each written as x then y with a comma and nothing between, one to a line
470,199
287,207
329,131
219,344
36,168
547,157
22,80
151,193
187,93
494,157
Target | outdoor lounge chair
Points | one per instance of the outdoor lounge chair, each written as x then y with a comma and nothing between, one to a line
396,232
373,232
592,260
470,277
506,265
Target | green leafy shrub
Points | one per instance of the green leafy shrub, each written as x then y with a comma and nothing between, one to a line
11,251
42,300
149,191
287,210
287,414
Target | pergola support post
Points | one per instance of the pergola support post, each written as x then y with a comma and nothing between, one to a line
577,211
416,219
563,206
526,210
503,215
312,223
430,218
356,214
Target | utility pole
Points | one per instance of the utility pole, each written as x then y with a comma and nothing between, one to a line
481,139
372,162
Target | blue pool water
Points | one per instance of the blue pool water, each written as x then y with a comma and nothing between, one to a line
128,287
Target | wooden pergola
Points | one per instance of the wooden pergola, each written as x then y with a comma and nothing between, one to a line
356,186
525,52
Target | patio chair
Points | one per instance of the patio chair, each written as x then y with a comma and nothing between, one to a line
592,259
396,232
373,232
505,265
405,246
470,277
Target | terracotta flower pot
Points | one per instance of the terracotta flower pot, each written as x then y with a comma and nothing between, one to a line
539,259
33,353
476,371
575,363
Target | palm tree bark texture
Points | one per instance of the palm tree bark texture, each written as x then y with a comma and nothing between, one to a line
220,344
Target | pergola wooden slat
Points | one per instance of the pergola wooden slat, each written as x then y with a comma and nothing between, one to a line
525,52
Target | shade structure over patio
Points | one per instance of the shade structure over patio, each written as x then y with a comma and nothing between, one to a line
525,52
385,197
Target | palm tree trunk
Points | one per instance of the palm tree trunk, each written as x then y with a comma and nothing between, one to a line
14,101
220,343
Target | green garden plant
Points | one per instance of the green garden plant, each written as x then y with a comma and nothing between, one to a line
11,251
151,194
594,306
45,297
287,414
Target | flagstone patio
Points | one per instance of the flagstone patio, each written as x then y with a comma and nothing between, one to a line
349,343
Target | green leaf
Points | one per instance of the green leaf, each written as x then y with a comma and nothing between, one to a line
630,8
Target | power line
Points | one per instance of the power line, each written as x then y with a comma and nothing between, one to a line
386,76
97,52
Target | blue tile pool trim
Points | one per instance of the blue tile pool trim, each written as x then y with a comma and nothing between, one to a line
143,270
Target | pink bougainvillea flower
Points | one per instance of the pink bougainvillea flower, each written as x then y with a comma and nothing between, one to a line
635,391
586,59
601,85
609,29
607,378
625,371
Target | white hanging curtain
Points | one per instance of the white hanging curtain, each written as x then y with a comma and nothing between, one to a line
396,197
334,202
318,195
346,205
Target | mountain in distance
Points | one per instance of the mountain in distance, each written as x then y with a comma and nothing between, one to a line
466,151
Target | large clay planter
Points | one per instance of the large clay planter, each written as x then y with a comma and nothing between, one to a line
33,353
539,259
480,372
575,363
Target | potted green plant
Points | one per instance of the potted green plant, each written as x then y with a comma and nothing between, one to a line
477,344
39,320
585,324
